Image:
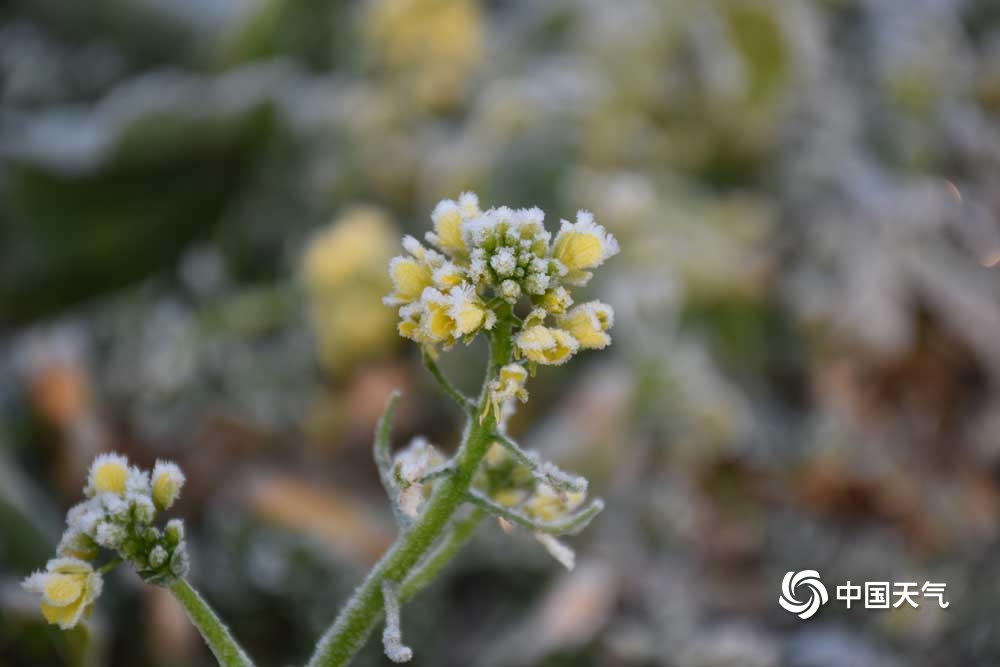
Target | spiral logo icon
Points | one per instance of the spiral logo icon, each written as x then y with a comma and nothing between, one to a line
806,579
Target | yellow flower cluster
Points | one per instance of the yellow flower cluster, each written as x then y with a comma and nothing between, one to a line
513,485
479,260
122,501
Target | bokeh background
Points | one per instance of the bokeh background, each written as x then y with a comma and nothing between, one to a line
198,199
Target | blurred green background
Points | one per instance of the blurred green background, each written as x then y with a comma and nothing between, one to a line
198,199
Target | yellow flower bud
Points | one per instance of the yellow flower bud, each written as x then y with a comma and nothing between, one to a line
546,345
588,323
75,544
108,474
556,301
509,384
448,275
582,245
409,279
447,218
167,483
450,316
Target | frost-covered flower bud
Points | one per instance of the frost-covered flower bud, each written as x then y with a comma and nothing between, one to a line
76,544
113,506
108,474
509,384
510,291
174,532
546,345
168,480
536,283
180,563
556,301
138,481
504,262
411,463
581,246
109,535
143,510
588,323
157,556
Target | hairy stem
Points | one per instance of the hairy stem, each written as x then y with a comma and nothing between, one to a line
463,401
383,457
570,525
358,617
435,561
225,649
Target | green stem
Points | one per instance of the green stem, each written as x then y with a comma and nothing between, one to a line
110,565
548,473
383,457
225,649
570,525
432,565
358,617
463,401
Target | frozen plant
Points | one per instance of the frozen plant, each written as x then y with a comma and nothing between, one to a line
117,520
498,273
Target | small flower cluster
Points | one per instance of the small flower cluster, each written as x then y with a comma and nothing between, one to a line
526,491
411,465
122,502
482,261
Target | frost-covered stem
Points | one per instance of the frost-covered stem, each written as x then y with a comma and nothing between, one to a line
435,561
392,637
225,649
543,472
440,471
570,525
383,457
463,401
358,617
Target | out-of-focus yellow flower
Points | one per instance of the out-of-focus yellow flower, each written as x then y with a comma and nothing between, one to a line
68,589
432,46
588,323
582,245
108,474
546,345
548,504
344,275
357,242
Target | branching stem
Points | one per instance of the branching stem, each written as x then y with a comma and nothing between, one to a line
566,526
543,472
463,401
359,616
